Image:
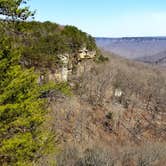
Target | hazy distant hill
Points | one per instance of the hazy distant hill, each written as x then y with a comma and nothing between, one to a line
146,49
159,58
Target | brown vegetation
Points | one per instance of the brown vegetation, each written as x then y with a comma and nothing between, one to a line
129,128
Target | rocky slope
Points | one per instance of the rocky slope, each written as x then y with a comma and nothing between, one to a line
114,104
115,109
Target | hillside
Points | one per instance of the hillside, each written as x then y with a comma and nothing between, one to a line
146,49
157,59
98,103
53,50
116,110
97,106
44,43
65,102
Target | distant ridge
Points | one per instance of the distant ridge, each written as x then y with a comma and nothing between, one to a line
148,37
146,49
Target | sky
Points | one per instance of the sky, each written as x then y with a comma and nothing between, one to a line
106,18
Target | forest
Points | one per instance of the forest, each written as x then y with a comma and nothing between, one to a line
109,112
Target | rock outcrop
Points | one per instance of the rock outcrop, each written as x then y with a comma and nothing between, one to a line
70,62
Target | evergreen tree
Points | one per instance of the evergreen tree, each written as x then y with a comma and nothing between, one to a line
12,10
22,111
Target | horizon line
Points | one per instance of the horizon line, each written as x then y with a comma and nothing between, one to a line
164,36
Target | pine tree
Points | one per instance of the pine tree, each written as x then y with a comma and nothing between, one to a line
22,111
15,10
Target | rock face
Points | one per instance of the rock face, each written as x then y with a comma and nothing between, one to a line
69,63
64,71
85,54
118,92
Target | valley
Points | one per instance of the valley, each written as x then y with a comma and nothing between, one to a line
70,99
146,49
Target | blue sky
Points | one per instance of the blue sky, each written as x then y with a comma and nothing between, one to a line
106,18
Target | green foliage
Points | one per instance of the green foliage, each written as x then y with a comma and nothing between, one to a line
12,10
91,45
43,42
74,37
100,58
22,112
63,87
24,138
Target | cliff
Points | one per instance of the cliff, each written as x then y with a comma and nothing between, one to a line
115,108
71,64
53,50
